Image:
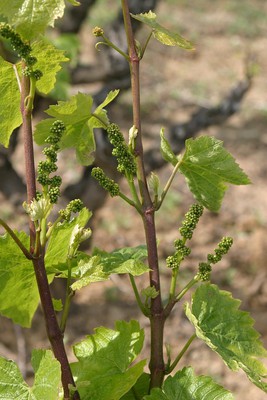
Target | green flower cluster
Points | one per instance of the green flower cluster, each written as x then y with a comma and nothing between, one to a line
74,206
191,219
223,248
186,231
108,184
126,161
204,269
51,185
182,251
22,49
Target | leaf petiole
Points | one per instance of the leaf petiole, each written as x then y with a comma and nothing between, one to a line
180,355
168,184
16,240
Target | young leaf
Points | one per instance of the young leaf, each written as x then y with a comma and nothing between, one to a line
128,260
110,97
76,114
31,17
206,166
185,385
88,271
10,116
103,370
100,118
162,34
60,240
228,331
47,381
101,265
18,289
166,150
49,59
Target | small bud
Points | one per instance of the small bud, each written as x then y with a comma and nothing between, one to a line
97,31
78,235
38,209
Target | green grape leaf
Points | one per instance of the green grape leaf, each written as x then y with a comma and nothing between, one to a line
10,116
60,240
31,17
104,370
100,117
101,265
79,120
47,380
49,59
88,271
185,385
140,389
19,296
228,331
162,34
127,260
166,150
207,165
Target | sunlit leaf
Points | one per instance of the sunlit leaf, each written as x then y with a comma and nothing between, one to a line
207,166
162,34
10,116
185,385
31,17
104,370
49,60
19,296
228,331
47,380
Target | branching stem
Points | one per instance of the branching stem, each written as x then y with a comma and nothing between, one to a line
53,331
156,365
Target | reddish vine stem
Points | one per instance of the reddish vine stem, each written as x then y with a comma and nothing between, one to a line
28,150
52,327
157,319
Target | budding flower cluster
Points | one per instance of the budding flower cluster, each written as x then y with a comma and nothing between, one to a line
108,184
126,162
22,49
45,168
204,269
182,251
223,248
74,206
191,220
